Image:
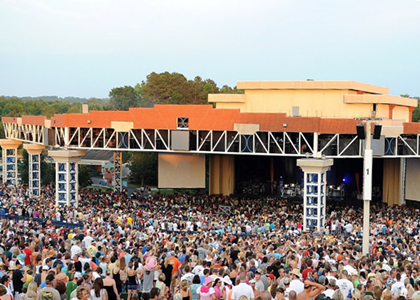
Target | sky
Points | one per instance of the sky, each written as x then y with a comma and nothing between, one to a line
84,48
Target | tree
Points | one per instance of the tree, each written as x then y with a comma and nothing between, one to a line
158,87
47,170
122,98
177,98
2,135
85,176
228,90
416,112
143,168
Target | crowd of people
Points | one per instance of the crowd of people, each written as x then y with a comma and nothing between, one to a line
201,247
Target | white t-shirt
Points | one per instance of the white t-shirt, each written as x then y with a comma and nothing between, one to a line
297,286
242,289
87,241
345,286
75,250
396,287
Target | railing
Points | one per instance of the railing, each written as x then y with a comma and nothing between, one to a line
4,214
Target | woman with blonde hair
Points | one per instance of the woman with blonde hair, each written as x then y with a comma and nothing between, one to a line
184,290
32,292
386,295
338,295
60,276
174,282
160,284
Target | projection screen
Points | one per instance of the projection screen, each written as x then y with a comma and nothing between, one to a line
181,171
412,179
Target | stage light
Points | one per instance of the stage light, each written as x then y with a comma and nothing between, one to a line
339,188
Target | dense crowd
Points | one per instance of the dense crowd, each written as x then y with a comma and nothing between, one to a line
201,247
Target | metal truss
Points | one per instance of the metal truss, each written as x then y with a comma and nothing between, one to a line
25,132
209,141
298,144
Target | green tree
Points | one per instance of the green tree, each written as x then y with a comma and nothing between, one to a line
85,176
75,108
416,112
228,90
177,98
14,109
143,168
158,87
47,170
2,135
122,98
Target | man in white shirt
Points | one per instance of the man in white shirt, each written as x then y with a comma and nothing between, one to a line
396,287
350,267
87,241
75,249
296,284
330,288
344,284
242,289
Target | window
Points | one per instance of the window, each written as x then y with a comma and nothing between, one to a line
182,123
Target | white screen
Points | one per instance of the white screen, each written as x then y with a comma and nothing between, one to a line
182,171
412,179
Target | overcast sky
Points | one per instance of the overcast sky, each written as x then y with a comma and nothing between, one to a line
84,48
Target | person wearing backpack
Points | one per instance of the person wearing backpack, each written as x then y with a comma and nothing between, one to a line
48,292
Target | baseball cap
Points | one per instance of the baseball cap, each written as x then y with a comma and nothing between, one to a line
272,276
258,271
286,281
322,279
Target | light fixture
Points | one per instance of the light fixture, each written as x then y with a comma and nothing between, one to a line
89,121
284,125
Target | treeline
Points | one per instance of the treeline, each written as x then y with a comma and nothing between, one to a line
166,88
158,88
162,88
51,98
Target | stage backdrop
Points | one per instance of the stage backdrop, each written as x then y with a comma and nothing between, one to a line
182,171
412,179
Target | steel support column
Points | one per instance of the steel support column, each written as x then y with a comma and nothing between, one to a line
66,176
34,158
9,161
118,171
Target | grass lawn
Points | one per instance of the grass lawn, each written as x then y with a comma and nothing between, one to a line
100,188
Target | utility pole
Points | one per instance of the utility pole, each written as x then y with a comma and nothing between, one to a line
367,186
